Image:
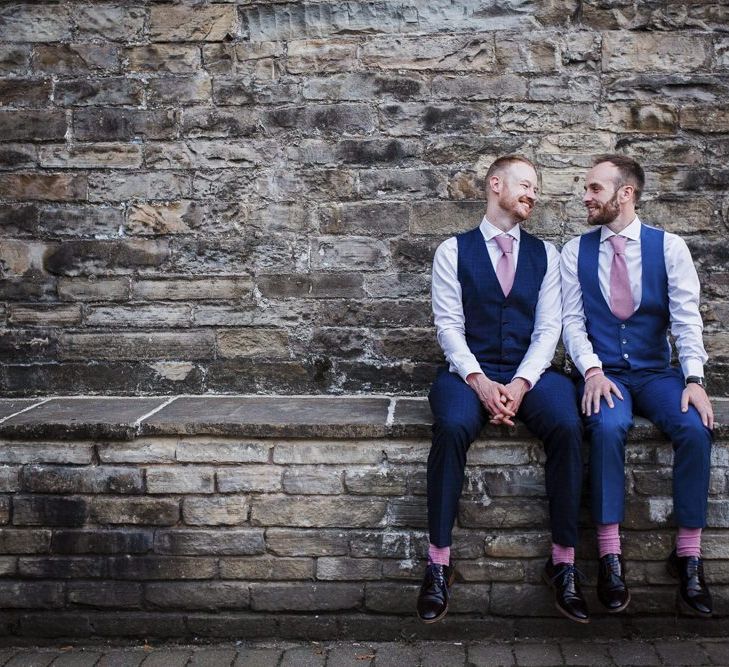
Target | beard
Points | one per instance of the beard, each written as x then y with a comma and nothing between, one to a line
605,213
515,206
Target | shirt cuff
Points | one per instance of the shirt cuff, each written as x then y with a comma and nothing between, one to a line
587,361
467,370
692,367
526,379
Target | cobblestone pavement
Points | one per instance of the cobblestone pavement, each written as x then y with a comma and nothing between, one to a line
622,653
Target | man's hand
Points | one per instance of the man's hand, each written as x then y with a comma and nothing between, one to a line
493,396
596,387
695,395
518,387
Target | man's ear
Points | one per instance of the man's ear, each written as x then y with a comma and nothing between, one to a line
495,183
628,193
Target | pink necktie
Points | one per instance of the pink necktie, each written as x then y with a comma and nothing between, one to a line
621,298
505,265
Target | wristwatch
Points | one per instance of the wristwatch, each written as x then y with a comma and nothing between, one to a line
696,379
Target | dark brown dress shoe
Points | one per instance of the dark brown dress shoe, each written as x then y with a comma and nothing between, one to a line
563,579
692,589
611,588
434,593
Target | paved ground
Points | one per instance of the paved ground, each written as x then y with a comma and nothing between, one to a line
525,653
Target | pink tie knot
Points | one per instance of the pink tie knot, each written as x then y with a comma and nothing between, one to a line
618,243
505,243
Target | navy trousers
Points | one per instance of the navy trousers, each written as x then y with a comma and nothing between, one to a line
655,395
549,410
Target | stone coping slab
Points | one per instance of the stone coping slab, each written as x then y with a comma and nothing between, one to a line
333,417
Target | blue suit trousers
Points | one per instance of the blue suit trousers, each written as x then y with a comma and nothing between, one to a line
550,412
655,395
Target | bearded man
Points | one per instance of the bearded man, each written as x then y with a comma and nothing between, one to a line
624,285
497,305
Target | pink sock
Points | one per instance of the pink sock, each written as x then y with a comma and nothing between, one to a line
608,538
562,554
688,542
439,555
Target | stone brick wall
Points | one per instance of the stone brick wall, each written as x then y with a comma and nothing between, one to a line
189,525
244,196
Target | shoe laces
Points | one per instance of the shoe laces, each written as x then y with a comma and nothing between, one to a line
569,570
437,573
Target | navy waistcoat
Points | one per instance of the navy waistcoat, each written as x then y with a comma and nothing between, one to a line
499,328
640,342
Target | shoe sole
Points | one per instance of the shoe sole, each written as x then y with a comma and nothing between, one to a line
428,621
681,604
576,619
618,609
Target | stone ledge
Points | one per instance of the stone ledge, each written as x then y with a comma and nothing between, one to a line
344,417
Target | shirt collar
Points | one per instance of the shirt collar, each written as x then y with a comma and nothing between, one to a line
489,231
632,231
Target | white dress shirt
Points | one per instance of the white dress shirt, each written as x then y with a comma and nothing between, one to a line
683,297
450,320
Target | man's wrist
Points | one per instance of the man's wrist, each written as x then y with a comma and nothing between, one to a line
696,379
593,372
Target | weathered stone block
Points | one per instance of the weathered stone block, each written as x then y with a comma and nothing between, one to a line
179,90
491,570
95,479
368,217
712,119
298,542
75,59
150,185
34,23
139,451
15,58
348,569
542,116
305,597
31,595
249,479
93,156
109,91
25,92
308,511
44,315
198,595
164,345
179,479
203,450
161,567
49,511
261,60
141,510
98,541
637,117
497,513
266,568
310,286
533,52
237,91
655,52
350,253
223,542
49,452
416,119
307,452
310,480
181,217
108,124
437,52
154,316
110,21
258,343
331,119
60,568
480,87
24,541
386,543
49,187
164,58
186,23
220,122
32,125
566,88
114,594
307,56
226,511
